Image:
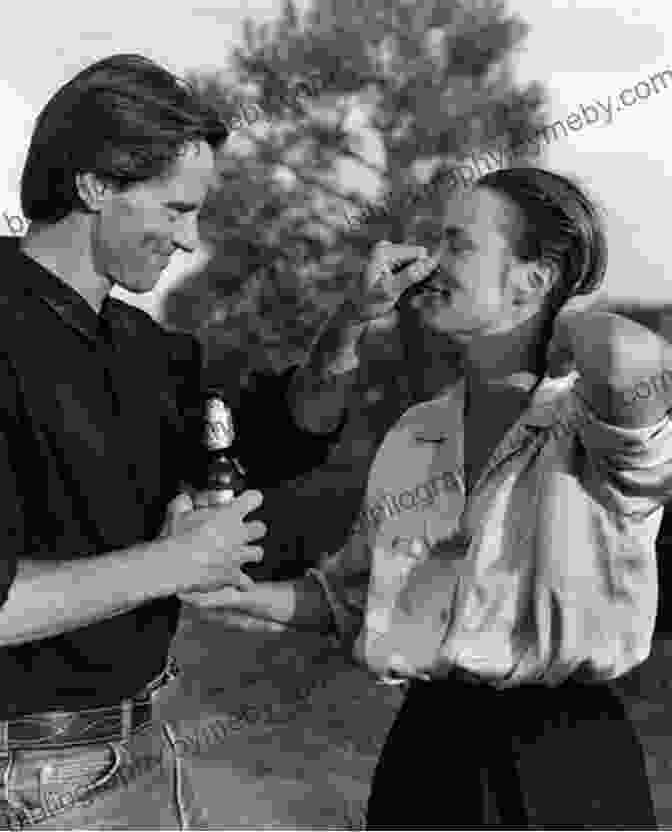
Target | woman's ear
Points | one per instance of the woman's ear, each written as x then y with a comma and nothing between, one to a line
92,191
545,275
535,281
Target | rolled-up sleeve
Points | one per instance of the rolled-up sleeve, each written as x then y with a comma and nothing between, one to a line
632,466
344,578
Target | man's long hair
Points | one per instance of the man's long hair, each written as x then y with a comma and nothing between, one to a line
125,118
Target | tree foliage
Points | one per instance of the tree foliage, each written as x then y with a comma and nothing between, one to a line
355,100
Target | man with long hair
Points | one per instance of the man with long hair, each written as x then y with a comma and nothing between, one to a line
95,445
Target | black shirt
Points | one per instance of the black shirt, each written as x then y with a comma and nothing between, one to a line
268,442
94,442
101,421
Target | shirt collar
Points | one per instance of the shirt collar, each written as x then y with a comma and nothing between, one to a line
35,279
441,418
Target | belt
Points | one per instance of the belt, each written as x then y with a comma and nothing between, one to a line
63,729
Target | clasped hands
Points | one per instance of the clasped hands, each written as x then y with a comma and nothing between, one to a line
217,540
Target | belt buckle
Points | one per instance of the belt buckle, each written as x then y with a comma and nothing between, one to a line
170,672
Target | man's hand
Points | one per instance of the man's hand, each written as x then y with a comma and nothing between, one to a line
625,368
391,270
602,346
216,540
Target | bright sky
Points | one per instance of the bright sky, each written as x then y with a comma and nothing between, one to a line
583,52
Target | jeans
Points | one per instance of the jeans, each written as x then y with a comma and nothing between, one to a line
140,783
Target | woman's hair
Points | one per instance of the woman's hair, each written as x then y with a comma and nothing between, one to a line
125,118
559,224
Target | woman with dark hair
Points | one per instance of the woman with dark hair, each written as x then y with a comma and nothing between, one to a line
507,566
530,755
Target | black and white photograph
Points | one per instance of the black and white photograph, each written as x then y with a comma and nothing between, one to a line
336,415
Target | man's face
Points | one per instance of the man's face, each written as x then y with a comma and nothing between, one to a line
140,227
472,292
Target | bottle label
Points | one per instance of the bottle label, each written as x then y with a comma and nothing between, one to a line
219,433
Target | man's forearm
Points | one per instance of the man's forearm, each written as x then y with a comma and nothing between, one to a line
50,598
319,391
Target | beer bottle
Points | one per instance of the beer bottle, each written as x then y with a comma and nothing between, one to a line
225,477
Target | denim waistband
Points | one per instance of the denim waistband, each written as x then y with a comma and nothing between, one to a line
62,729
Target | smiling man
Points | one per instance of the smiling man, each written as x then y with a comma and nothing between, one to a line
95,446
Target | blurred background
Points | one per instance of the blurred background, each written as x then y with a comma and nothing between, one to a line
357,101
